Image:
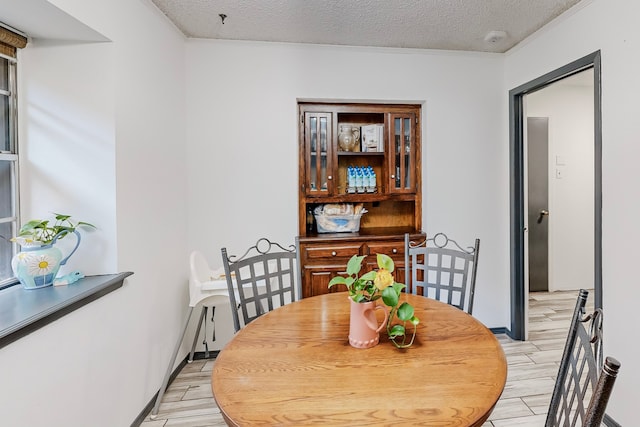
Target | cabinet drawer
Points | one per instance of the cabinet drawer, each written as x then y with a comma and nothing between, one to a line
331,251
388,248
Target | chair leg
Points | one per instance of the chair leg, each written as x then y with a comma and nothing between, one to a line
203,315
213,323
204,334
165,381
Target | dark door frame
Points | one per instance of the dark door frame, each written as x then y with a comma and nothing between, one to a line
516,184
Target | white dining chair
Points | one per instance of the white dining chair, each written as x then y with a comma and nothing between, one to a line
207,287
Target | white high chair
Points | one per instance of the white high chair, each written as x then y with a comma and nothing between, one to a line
208,287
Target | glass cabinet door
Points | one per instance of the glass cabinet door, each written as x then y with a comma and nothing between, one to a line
402,174
317,134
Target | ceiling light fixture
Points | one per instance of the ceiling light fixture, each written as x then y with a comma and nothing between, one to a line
495,36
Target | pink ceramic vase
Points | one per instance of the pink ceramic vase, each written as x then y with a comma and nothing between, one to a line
364,331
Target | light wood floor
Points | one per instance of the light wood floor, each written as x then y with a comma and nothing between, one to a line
533,365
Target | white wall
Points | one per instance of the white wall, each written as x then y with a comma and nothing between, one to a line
569,107
104,140
243,149
67,147
611,27
236,180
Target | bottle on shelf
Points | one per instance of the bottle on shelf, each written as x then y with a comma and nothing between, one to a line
366,176
351,180
359,180
372,181
310,219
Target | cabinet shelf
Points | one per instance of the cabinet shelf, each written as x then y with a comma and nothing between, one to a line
360,197
361,153
371,234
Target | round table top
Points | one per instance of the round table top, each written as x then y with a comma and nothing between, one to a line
294,366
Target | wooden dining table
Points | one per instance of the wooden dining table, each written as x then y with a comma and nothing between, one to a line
294,366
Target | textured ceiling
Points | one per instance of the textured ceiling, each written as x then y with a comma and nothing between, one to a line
422,24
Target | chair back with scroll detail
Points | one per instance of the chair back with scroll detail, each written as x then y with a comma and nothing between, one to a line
265,277
579,398
441,269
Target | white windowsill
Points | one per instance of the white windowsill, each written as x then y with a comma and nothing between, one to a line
23,311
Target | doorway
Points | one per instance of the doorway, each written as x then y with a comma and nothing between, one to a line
518,168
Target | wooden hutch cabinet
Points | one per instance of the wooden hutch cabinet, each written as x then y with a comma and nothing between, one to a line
335,138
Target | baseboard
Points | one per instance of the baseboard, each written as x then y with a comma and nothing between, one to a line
610,422
198,355
510,335
497,331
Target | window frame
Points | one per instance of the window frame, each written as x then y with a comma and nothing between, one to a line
12,156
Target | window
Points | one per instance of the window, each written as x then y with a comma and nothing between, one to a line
9,42
8,167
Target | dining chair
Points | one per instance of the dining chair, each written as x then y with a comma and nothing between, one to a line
441,269
600,397
208,288
580,395
265,277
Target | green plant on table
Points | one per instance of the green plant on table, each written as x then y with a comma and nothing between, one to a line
377,284
43,231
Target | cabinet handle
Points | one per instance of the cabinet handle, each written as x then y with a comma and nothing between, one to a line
394,250
334,253
329,177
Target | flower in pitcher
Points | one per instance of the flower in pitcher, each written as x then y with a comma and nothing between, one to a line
40,232
378,284
26,241
383,279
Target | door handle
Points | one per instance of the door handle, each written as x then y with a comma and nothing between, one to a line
543,213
